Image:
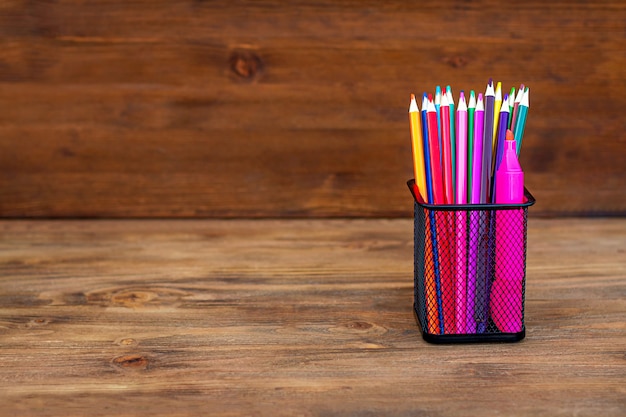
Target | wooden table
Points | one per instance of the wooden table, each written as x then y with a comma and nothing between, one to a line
293,317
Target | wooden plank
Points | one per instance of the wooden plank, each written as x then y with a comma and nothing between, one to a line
231,76
292,317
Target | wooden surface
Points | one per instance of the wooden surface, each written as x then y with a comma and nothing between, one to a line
148,108
293,317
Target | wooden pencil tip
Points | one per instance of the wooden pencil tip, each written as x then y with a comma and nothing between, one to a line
509,135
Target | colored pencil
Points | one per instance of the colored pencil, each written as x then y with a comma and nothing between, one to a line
417,144
497,104
482,260
487,142
520,123
437,109
511,104
518,99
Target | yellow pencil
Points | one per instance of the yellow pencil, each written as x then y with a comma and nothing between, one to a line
417,144
496,112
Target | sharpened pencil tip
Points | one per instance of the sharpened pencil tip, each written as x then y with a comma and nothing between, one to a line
413,105
509,135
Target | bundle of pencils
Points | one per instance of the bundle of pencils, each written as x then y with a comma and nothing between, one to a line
457,152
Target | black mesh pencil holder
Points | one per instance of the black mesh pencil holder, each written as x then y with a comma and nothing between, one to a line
470,270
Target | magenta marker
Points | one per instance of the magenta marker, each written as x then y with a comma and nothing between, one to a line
506,290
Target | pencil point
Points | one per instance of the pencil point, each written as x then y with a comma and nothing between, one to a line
413,106
462,105
472,100
520,93
505,108
444,100
525,99
489,91
509,135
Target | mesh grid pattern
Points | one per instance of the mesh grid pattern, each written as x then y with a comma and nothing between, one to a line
470,270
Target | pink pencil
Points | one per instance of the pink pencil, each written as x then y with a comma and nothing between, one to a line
461,216
518,100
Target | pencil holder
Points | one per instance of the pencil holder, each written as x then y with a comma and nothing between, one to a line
470,270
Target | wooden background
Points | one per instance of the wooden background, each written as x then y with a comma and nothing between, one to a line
148,108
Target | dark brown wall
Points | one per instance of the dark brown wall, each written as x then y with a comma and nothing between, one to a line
147,108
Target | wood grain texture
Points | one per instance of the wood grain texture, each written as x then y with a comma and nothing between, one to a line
262,109
293,317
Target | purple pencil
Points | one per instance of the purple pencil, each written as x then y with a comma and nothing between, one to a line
490,98
483,274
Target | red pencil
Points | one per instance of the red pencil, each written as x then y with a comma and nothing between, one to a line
435,154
